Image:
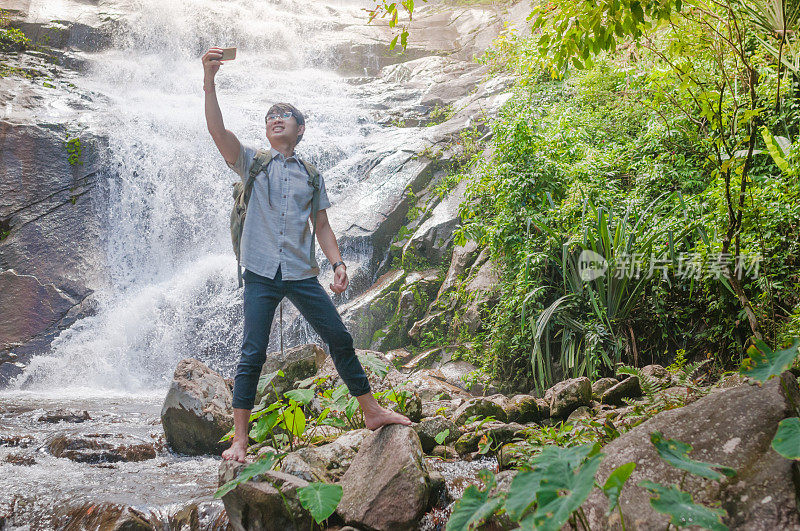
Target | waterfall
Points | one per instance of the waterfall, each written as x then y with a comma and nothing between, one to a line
169,288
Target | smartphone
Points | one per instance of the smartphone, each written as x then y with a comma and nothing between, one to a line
228,54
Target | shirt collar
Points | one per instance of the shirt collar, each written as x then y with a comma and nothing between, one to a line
278,155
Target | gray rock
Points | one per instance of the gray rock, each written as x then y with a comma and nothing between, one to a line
525,408
387,487
482,407
499,432
627,388
429,428
264,504
297,363
198,410
100,448
569,395
580,413
601,386
659,374
430,383
369,311
327,462
65,415
393,377
733,427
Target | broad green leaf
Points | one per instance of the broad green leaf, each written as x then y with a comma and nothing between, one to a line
352,407
373,362
676,453
320,499
295,420
266,379
522,493
442,436
248,472
764,363
475,506
562,492
303,396
336,422
775,150
681,509
615,482
787,439
264,426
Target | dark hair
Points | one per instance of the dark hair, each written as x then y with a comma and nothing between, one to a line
283,107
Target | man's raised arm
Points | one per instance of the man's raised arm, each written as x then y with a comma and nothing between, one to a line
226,141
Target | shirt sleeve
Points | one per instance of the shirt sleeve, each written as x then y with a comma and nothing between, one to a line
323,195
244,161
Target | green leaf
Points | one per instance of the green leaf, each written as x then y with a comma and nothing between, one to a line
352,407
764,363
371,361
775,150
303,396
522,493
475,506
248,472
264,426
613,486
266,379
442,436
681,508
295,420
394,41
554,505
787,439
320,499
676,453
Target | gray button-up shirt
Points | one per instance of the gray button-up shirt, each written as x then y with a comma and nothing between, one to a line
277,229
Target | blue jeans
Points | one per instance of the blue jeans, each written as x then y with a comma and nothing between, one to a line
261,296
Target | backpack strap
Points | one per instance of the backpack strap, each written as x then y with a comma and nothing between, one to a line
260,161
313,179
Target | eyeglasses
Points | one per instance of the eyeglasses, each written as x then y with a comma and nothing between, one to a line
274,116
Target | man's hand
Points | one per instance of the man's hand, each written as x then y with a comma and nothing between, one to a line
211,63
340,280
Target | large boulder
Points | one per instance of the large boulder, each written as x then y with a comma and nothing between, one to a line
327,462
387,486
429,428
265,503
627,388
198,410
297,363
567,396
526,408
482,407
731,427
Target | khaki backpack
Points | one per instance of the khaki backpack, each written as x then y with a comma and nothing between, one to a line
241,196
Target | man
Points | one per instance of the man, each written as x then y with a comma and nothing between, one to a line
274,254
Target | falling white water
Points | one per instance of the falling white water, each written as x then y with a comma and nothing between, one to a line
171,290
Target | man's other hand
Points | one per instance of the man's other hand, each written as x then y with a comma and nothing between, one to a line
340,280
211,62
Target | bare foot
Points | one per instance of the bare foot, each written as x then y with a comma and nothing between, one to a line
237,451
380,416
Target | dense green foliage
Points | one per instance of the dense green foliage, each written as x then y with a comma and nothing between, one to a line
670,154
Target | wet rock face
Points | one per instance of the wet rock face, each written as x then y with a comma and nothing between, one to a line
327,462
387,487
732,427
269,503
65,415
429,428
100,448
198,410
